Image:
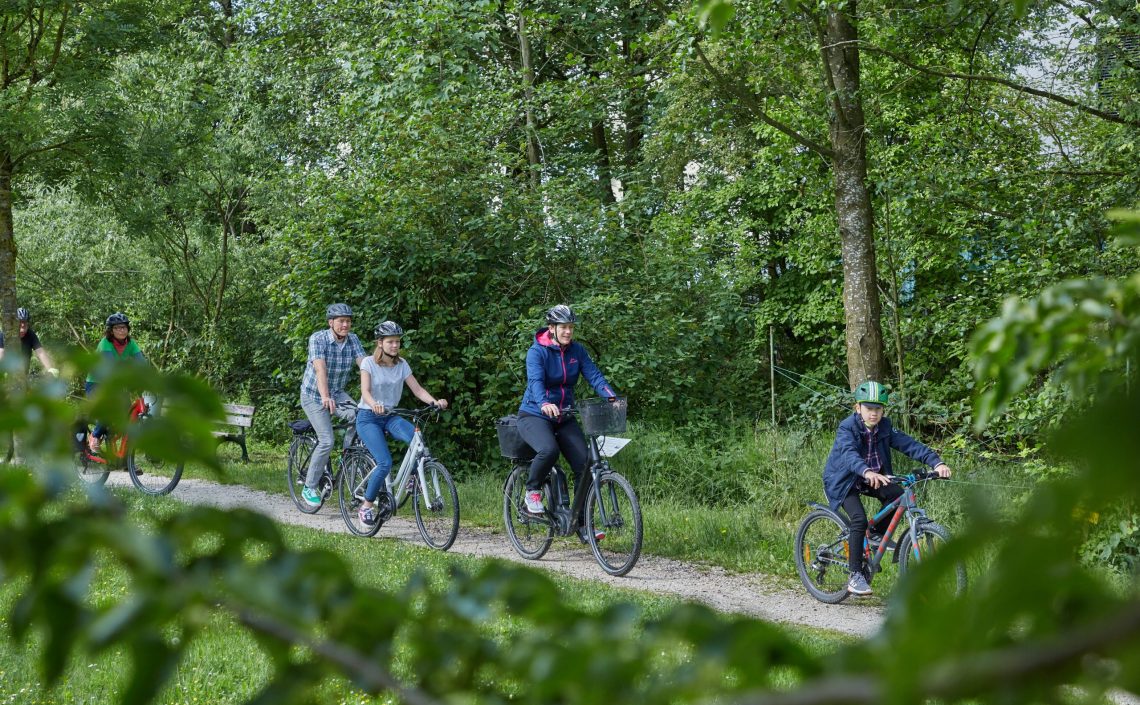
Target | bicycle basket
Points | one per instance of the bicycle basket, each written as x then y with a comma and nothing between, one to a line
601,417
511,443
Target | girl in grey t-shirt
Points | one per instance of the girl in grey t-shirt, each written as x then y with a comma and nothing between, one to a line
382,379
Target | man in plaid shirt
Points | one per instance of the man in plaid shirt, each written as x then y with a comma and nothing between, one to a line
334,355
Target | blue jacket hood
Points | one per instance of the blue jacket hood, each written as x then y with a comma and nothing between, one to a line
552,372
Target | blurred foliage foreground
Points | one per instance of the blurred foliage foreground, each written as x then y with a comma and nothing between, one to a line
1037,623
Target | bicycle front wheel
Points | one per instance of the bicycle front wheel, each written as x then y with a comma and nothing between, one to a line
613,524
350,492
530,535
153,475
437,513
931,538
300,452
821,556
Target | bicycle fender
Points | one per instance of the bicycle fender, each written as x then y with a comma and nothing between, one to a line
817,505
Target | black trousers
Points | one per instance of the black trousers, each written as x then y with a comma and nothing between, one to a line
857,518
548,437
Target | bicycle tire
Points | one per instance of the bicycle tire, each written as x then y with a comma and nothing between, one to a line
152,475
355,468
90,472
437,516
821,556
930,538
530,536
300,451
617,552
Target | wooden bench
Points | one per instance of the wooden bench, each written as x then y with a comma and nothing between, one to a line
240,416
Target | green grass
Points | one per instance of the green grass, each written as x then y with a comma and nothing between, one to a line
225,664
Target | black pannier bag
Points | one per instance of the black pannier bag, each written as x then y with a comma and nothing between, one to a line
511,443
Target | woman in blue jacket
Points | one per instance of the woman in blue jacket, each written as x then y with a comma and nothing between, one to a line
553,364
860,463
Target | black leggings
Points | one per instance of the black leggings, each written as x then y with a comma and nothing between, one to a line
857,519
547,437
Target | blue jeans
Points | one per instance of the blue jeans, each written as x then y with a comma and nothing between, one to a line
372,428
100,430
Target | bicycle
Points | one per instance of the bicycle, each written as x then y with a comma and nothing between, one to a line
611,507
822,543
353,454
421,477
150,475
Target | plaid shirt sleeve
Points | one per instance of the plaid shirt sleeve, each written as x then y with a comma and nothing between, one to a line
318,347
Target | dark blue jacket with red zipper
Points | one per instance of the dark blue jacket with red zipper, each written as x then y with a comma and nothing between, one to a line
552,371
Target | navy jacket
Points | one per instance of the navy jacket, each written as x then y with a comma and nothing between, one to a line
552,372
848,457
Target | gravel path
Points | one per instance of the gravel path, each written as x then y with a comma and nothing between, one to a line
752,594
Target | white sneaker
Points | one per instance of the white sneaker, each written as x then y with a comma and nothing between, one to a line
534,503
858,585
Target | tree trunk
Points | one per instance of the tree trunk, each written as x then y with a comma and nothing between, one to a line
852,201
532,156
8,304
602,161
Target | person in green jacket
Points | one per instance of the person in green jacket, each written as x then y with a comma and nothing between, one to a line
117,345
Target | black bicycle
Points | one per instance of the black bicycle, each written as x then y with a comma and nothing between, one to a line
613,514
354,459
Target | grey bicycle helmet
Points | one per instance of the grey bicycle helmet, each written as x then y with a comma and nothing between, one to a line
118,318
388,329
338,310
23,315
561,314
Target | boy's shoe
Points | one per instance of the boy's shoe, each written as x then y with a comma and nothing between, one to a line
367,516
583,537
876,539
858,585
534,503
311,496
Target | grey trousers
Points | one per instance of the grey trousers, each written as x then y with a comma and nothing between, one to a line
321,419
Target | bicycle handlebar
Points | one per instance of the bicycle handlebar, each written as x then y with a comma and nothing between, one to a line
915,478
416,414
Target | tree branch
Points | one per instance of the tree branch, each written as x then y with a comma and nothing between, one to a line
1109,117
754,106
362,670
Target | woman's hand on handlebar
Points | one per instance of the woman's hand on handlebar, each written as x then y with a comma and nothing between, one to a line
551,410
377,408
943,470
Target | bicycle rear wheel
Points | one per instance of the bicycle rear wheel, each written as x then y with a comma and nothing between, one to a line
437,514
152,475
90,471
931,538
821,556
529,535
354,474
612,509
300,452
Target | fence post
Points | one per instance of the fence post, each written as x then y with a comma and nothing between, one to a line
772,369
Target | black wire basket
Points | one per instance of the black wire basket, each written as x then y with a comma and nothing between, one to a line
601,417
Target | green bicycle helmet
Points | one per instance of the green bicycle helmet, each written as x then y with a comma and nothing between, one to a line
871,392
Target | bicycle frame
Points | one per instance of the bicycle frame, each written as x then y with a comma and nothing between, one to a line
117,442
416,456
562,515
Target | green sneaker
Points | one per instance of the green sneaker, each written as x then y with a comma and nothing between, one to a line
311,496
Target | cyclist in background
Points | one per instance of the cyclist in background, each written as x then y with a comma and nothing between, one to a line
116,344
30,343
382,379
860,464
332,355
553,364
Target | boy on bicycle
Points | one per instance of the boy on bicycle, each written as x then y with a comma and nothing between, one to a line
860,464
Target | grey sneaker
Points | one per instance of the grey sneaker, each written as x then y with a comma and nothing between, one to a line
857,585
534,503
